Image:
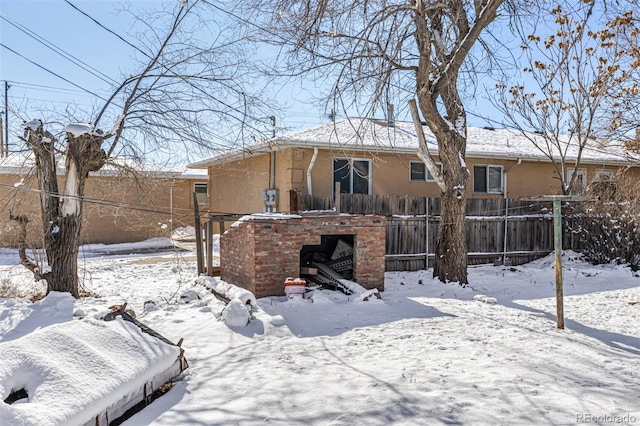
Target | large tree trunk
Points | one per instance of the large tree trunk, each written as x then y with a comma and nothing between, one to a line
63,250
62,212
442,108
451,133
451,242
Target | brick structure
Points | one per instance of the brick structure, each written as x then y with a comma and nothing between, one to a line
259,252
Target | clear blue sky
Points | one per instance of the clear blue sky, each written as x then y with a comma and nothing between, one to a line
24,24
23,27
33,89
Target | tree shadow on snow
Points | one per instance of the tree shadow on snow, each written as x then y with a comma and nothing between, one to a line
306,319
630,344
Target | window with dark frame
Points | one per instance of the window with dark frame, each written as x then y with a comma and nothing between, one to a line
487,179
580,184
420,173
202,192
603,175
354,175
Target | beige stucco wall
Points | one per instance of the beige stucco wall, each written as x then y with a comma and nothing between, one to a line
183,213
236,187
116,210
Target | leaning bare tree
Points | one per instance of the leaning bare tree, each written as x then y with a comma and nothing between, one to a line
184,93
369,50
581,85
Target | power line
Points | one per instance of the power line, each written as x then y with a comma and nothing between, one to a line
108,29
187,211
185,80
78,62
55,102
43,87
129,206
51,72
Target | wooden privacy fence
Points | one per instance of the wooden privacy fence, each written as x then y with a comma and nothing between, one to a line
389,205
504,230
411,242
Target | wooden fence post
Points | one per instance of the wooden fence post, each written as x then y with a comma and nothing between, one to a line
209,247
293,201
557,242
504,235
426,232
196,213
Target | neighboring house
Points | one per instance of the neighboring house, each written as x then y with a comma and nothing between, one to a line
126,202
378,157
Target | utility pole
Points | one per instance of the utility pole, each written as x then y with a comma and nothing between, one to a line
557,243
6,119
1,137
273,124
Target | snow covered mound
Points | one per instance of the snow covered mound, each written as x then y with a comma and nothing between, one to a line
185,233
19,316
73,371
230,291
237,312
485,299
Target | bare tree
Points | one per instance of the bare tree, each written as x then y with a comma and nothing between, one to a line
581,84
184,94
379,52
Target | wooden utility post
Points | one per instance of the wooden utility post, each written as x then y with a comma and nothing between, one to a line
196,217
6,118
557,244
1,137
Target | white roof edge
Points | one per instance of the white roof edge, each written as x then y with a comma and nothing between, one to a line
24,165
13,170
204,164
404,141
194,176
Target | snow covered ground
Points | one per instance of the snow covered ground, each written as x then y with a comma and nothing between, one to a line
427,353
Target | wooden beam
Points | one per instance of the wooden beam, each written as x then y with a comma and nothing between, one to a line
196,214
209,247
557,243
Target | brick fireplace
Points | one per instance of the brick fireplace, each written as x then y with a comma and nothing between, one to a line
260,251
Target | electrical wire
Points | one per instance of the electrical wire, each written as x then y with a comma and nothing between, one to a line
51,72
195,87
108,29
78,62
188,211
44,88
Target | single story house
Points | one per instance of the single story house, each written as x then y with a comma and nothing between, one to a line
125,201
379,157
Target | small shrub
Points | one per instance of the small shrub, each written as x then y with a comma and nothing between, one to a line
607,230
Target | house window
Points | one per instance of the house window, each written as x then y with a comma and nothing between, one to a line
603,175
420,173
202,192
487,179
580,184
604,184
353,174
